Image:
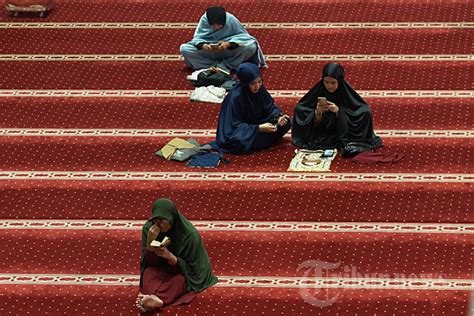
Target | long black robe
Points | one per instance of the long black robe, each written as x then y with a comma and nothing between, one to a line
350,130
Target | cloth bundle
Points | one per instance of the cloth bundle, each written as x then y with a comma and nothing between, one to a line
40,6
368,157
209,78
209,94
180,150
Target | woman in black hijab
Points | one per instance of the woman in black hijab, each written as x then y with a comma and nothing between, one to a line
333,115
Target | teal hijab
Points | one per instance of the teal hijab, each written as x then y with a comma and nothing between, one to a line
186,245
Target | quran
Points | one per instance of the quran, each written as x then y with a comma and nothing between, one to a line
165,242
312,160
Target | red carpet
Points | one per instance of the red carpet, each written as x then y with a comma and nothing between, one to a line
178,113
94,41
93,90
282,75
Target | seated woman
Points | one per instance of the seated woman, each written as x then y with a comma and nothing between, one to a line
249,119
333,115
220,40
173,274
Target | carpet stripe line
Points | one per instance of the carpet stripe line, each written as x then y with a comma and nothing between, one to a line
91,132
264,226
294,57
253,25
187,93
402,283
236,176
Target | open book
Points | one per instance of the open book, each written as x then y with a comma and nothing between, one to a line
165,242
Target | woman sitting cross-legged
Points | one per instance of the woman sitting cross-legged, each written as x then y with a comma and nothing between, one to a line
333,115
172,274
221,40
249,119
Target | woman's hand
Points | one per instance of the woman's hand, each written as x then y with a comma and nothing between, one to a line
153,232
333,107
224,45
283,120
322,106
207,47
166,254
267,128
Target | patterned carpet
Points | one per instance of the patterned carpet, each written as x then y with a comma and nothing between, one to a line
89,93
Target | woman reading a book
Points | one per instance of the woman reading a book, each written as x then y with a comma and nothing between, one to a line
174,263
333,115
221,40
249,119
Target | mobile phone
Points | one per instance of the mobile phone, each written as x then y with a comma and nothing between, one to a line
214,45
322,99
327,153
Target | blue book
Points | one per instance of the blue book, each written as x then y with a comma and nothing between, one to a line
207,160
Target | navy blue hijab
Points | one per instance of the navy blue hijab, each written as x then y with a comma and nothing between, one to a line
242,111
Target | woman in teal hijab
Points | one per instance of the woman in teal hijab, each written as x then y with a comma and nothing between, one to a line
221,40
172,274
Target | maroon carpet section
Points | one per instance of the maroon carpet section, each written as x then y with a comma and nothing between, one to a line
69,299
273,41
249,11
180,113
354,255
282,256
280,201
282,75
114,300
422,155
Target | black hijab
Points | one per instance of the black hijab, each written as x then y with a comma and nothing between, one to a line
351,125
216,15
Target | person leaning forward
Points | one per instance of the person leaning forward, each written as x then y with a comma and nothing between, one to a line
171,274
221,40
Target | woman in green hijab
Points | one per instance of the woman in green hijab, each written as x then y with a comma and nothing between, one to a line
172,274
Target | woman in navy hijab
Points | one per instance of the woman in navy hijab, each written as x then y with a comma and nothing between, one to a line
333,115
249,119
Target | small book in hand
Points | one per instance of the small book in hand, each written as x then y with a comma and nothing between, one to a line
165,242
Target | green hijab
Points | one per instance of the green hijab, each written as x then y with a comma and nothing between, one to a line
186,245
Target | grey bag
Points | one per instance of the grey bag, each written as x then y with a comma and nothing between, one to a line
182,154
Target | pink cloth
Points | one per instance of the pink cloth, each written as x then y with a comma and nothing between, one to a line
377,157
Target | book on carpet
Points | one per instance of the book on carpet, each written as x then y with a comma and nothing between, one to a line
165,242
207,160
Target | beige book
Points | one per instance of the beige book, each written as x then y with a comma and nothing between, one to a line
165,242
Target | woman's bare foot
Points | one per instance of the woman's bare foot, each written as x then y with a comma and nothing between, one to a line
146,303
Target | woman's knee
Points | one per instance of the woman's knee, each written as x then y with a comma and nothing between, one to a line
187,49
249,50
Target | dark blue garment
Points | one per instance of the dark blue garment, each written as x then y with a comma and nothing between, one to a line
242,112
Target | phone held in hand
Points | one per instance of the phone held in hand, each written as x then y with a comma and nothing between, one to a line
214,45
322,100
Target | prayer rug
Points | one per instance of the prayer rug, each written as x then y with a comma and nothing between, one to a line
312,161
